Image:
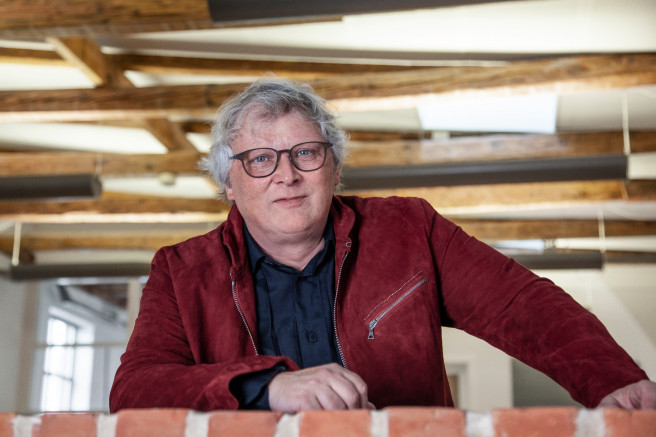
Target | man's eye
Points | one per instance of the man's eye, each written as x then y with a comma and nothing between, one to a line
259,159
304,153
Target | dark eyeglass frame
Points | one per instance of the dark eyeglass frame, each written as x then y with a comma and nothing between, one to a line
240,156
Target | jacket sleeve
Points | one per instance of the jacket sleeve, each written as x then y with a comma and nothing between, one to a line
159,368
494,298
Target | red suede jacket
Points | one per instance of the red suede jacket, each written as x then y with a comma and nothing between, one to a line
401,272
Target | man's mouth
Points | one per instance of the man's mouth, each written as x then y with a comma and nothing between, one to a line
290,201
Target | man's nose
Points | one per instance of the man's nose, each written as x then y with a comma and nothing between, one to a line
286,171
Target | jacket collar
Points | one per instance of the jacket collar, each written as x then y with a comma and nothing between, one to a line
343,218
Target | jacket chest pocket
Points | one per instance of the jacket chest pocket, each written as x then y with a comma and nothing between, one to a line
393,301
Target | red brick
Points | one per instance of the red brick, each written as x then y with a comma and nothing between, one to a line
643,423
425,422
66,425
242,424
535,422
7,424
151,423
350,423
617,422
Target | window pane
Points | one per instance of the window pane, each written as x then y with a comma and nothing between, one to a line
60,360
60,332
56,395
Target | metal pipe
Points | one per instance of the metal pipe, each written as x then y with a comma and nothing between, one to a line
53,187
488,172
561,261
227,11
49,271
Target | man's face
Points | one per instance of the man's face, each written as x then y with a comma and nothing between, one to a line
289,203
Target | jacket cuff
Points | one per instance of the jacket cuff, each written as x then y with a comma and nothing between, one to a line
251,389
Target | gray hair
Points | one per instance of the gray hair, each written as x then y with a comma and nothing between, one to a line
268,98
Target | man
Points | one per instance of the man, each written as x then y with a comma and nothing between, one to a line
306,300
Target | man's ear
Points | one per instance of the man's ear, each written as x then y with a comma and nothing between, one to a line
229,194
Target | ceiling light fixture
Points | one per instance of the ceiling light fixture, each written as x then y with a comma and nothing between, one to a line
52,187
50,271
487,172
561,261
227,11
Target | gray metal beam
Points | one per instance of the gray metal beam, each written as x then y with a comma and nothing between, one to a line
487,172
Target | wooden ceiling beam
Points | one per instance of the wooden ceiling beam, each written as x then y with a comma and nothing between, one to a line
346,93
85,54
244,67
113,104
563,75
51,163
163,65
106,241
112,207
27,18
361,153
512,197
117,208
597,142
489,230
46,58
494,147
495,230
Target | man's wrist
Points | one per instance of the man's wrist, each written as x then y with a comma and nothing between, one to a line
251,389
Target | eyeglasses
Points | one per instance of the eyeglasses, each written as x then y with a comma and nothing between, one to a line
262,162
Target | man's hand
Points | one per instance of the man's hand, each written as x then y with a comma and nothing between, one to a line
327,387
638,396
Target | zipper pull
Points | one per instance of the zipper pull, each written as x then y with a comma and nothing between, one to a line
372,325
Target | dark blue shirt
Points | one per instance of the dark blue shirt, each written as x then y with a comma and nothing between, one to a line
294,314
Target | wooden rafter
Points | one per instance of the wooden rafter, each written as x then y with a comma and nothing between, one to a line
551,229
86,55
113,208
15,164
373,152
489,230
117,208
509,197
26,18
71,18
152,64
360,92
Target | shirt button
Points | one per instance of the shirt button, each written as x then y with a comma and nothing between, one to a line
312,337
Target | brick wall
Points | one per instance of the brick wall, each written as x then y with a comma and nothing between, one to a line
391,422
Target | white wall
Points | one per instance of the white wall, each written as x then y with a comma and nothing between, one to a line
598,291
484,372
16,340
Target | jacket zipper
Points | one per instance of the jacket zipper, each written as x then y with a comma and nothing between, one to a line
375,321
339,280
241,314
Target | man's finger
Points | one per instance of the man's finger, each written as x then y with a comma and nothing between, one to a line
329,399
360,387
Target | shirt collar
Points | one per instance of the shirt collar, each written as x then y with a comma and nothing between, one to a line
257,256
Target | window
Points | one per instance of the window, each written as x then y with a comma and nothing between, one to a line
79,340
67,364
59,365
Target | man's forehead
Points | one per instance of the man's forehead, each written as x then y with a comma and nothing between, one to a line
260,123
263,116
